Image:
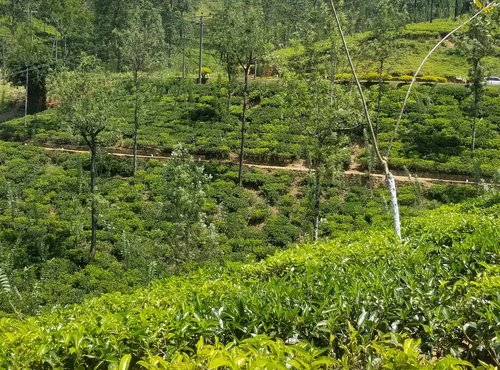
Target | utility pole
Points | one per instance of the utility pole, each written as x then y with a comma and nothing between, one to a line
55,45
65,47
200,65
30,17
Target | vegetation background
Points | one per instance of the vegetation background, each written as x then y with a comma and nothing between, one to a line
239,222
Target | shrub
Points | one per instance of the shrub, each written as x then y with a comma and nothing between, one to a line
395,304
280,232
343,76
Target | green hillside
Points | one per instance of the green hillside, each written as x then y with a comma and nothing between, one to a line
411,45
248,217
435,135
362,301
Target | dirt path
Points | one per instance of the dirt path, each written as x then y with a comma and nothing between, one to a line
296,167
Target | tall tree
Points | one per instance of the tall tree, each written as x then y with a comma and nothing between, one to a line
386,26
69,25
141,48
28,61
391,183
173,14
323,125
110,15
478,42
245,43
40,32
86,105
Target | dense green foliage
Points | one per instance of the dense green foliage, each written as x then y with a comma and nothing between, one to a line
164,220
179,273
358,298
435,135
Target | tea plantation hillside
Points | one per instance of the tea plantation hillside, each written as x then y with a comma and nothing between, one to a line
411,45
199,184
142,232
435,135
362,301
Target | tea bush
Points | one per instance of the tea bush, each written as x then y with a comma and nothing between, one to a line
364,300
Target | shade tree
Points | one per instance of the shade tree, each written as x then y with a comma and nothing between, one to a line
323,125
141,47
86,97
386,26
241,43
477,43
41,34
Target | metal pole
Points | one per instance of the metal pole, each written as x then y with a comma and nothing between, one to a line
55,45
200,65
30,16
65,49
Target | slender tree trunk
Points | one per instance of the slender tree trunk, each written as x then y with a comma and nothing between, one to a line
456,10
332,78
431,10
415,11
379,97
243,124
93,173
475,106
169,53
136,119
474,132
65,48
183,52
229,81
391,184
317,195
26,98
